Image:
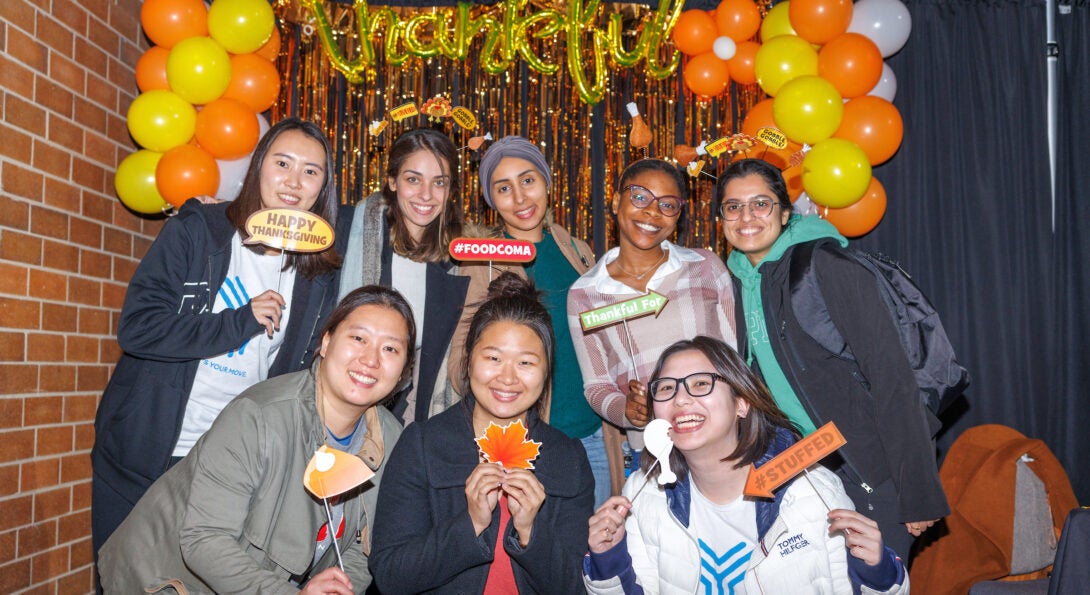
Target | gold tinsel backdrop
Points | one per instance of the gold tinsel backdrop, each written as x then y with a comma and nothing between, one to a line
586,145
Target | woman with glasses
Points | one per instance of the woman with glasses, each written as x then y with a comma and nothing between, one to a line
888,465
616,360
700,534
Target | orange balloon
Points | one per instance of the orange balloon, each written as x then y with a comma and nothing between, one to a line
875,125
741,65
793,177
706,74
852,63
184,172
271,50
254,81
166,22
861,217
695,32
738,19
151,69
819,21
227,129
760,116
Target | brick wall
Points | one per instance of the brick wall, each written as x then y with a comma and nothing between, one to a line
67,249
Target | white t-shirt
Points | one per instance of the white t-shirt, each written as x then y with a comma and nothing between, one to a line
221,378
726,535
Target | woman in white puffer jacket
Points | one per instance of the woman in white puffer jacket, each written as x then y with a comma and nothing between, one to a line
700,534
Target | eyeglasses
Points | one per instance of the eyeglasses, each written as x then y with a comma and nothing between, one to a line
760,207
669,206
697,385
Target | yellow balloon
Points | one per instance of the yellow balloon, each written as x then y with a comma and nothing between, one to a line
777,22
808,109
540,24
198,70
161,120
241,26
835,173
781,59
135,183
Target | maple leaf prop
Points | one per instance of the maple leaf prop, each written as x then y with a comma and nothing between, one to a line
508,446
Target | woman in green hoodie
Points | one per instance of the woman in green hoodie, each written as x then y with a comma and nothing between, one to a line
888,464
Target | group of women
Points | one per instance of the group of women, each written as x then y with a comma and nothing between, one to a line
240,361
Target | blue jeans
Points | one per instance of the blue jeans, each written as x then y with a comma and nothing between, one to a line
599,466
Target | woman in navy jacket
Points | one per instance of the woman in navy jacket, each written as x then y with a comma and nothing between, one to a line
168,325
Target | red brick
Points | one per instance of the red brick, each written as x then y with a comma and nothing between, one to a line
85,233
87,113
65,132
81,494
17,144
95,264
116,242
85,436
89,175
62,196
53,96
7,545
39,473
74,525
109,350
98,207
54,440
82,349
80,408
80,580
14,213
11,413
21,181
52,503
12,349
55,35
113,295
13,280
18,380
25,115
93,321
9,483
91,378
15,77
67,73
14,576
140,244
101,35
84,291
59,317
121,73
74,16
17,313
16,445
60,256
74,468
102,92
27,50
52,378
43,347
20,247
19,14
48,565
100,149
52,160
42,410
47,222
47,285
35,538
123,269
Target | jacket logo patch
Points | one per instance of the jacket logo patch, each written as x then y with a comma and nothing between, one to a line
194,298
792,544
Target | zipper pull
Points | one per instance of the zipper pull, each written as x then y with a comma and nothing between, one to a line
869,490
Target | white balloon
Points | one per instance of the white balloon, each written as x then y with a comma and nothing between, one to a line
804,206
887,85
233,171
724,48
886,22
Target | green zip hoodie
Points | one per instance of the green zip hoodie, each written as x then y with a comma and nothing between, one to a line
799,230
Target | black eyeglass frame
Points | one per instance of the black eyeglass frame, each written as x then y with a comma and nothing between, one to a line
680,203
651,388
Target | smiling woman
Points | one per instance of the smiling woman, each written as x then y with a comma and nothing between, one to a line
399,239
207,316
233,516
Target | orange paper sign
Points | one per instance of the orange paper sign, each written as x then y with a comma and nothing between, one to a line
489,249
289,229
718,146
331,472
792,461
406,110
508,446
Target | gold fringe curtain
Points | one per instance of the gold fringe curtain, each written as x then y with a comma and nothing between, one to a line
546,109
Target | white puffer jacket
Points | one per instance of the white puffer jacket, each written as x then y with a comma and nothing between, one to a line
796,554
